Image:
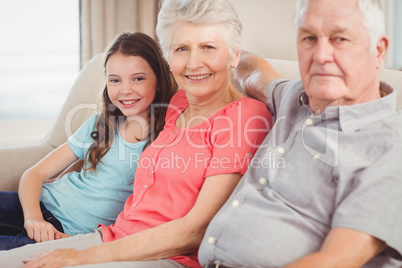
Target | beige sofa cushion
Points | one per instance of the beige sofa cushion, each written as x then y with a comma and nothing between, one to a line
83,101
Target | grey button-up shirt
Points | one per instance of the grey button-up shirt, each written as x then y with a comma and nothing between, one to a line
342,168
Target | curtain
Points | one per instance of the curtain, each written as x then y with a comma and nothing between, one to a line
102,20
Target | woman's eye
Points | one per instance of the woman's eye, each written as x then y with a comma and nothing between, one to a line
113,80
180,49
209,47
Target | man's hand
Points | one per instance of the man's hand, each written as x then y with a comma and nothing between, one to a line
253,75
56,258
40,230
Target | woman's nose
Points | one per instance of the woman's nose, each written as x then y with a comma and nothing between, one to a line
194,60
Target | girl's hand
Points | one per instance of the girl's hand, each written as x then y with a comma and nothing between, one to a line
41,230
56,258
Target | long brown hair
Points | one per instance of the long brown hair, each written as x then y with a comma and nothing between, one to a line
132,44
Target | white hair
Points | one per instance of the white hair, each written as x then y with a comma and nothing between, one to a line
373,18
198,12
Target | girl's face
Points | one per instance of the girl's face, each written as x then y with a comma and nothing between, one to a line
131,84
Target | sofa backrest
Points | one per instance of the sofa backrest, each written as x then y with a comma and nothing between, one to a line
84,97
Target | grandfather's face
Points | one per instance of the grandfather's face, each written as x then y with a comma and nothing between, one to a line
335,61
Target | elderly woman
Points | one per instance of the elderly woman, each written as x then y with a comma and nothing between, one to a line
189,171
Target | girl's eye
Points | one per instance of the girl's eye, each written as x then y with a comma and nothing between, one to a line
113,80
139,79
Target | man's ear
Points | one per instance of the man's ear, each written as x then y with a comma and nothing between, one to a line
381,51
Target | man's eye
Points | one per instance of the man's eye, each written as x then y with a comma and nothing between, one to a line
340,39
180,49
309,38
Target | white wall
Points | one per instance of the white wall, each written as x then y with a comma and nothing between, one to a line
268,29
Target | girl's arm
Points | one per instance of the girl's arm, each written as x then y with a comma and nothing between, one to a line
178,237
75,166
30,190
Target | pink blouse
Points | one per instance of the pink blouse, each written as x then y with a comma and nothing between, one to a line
172,170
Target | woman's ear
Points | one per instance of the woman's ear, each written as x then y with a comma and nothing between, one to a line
236,59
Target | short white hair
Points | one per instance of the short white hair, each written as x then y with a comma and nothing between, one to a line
373,18
198,12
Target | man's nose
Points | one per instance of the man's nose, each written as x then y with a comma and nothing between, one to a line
323,51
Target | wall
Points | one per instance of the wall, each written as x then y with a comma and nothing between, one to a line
268,29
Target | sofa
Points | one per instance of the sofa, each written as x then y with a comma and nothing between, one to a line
83,101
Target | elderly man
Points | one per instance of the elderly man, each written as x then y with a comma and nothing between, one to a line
333,197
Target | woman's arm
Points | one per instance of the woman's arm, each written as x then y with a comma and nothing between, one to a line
30,190
178,237
343,248
253,75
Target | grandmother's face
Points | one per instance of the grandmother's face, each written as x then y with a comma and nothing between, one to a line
200,59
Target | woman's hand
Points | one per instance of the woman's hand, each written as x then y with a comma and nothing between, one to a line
56,258
41,230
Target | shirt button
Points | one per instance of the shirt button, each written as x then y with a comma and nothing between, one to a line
309,121
281,150
235,203
134,204
145,186
316,156
211,240
263,181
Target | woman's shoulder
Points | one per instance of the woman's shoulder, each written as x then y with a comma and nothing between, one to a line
179,97
176,106
247,106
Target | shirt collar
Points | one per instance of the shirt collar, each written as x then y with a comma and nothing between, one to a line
354,117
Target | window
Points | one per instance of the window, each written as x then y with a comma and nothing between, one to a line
398,35
39,61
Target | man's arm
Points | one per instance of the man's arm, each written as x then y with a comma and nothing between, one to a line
253,76
343,248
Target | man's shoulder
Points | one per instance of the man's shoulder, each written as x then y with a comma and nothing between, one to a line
285,87
394,122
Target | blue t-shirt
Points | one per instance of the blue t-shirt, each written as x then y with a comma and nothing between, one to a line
82,200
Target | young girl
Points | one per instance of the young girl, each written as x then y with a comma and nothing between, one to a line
138,89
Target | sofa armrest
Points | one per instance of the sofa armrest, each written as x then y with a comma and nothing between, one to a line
82,101
16,159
